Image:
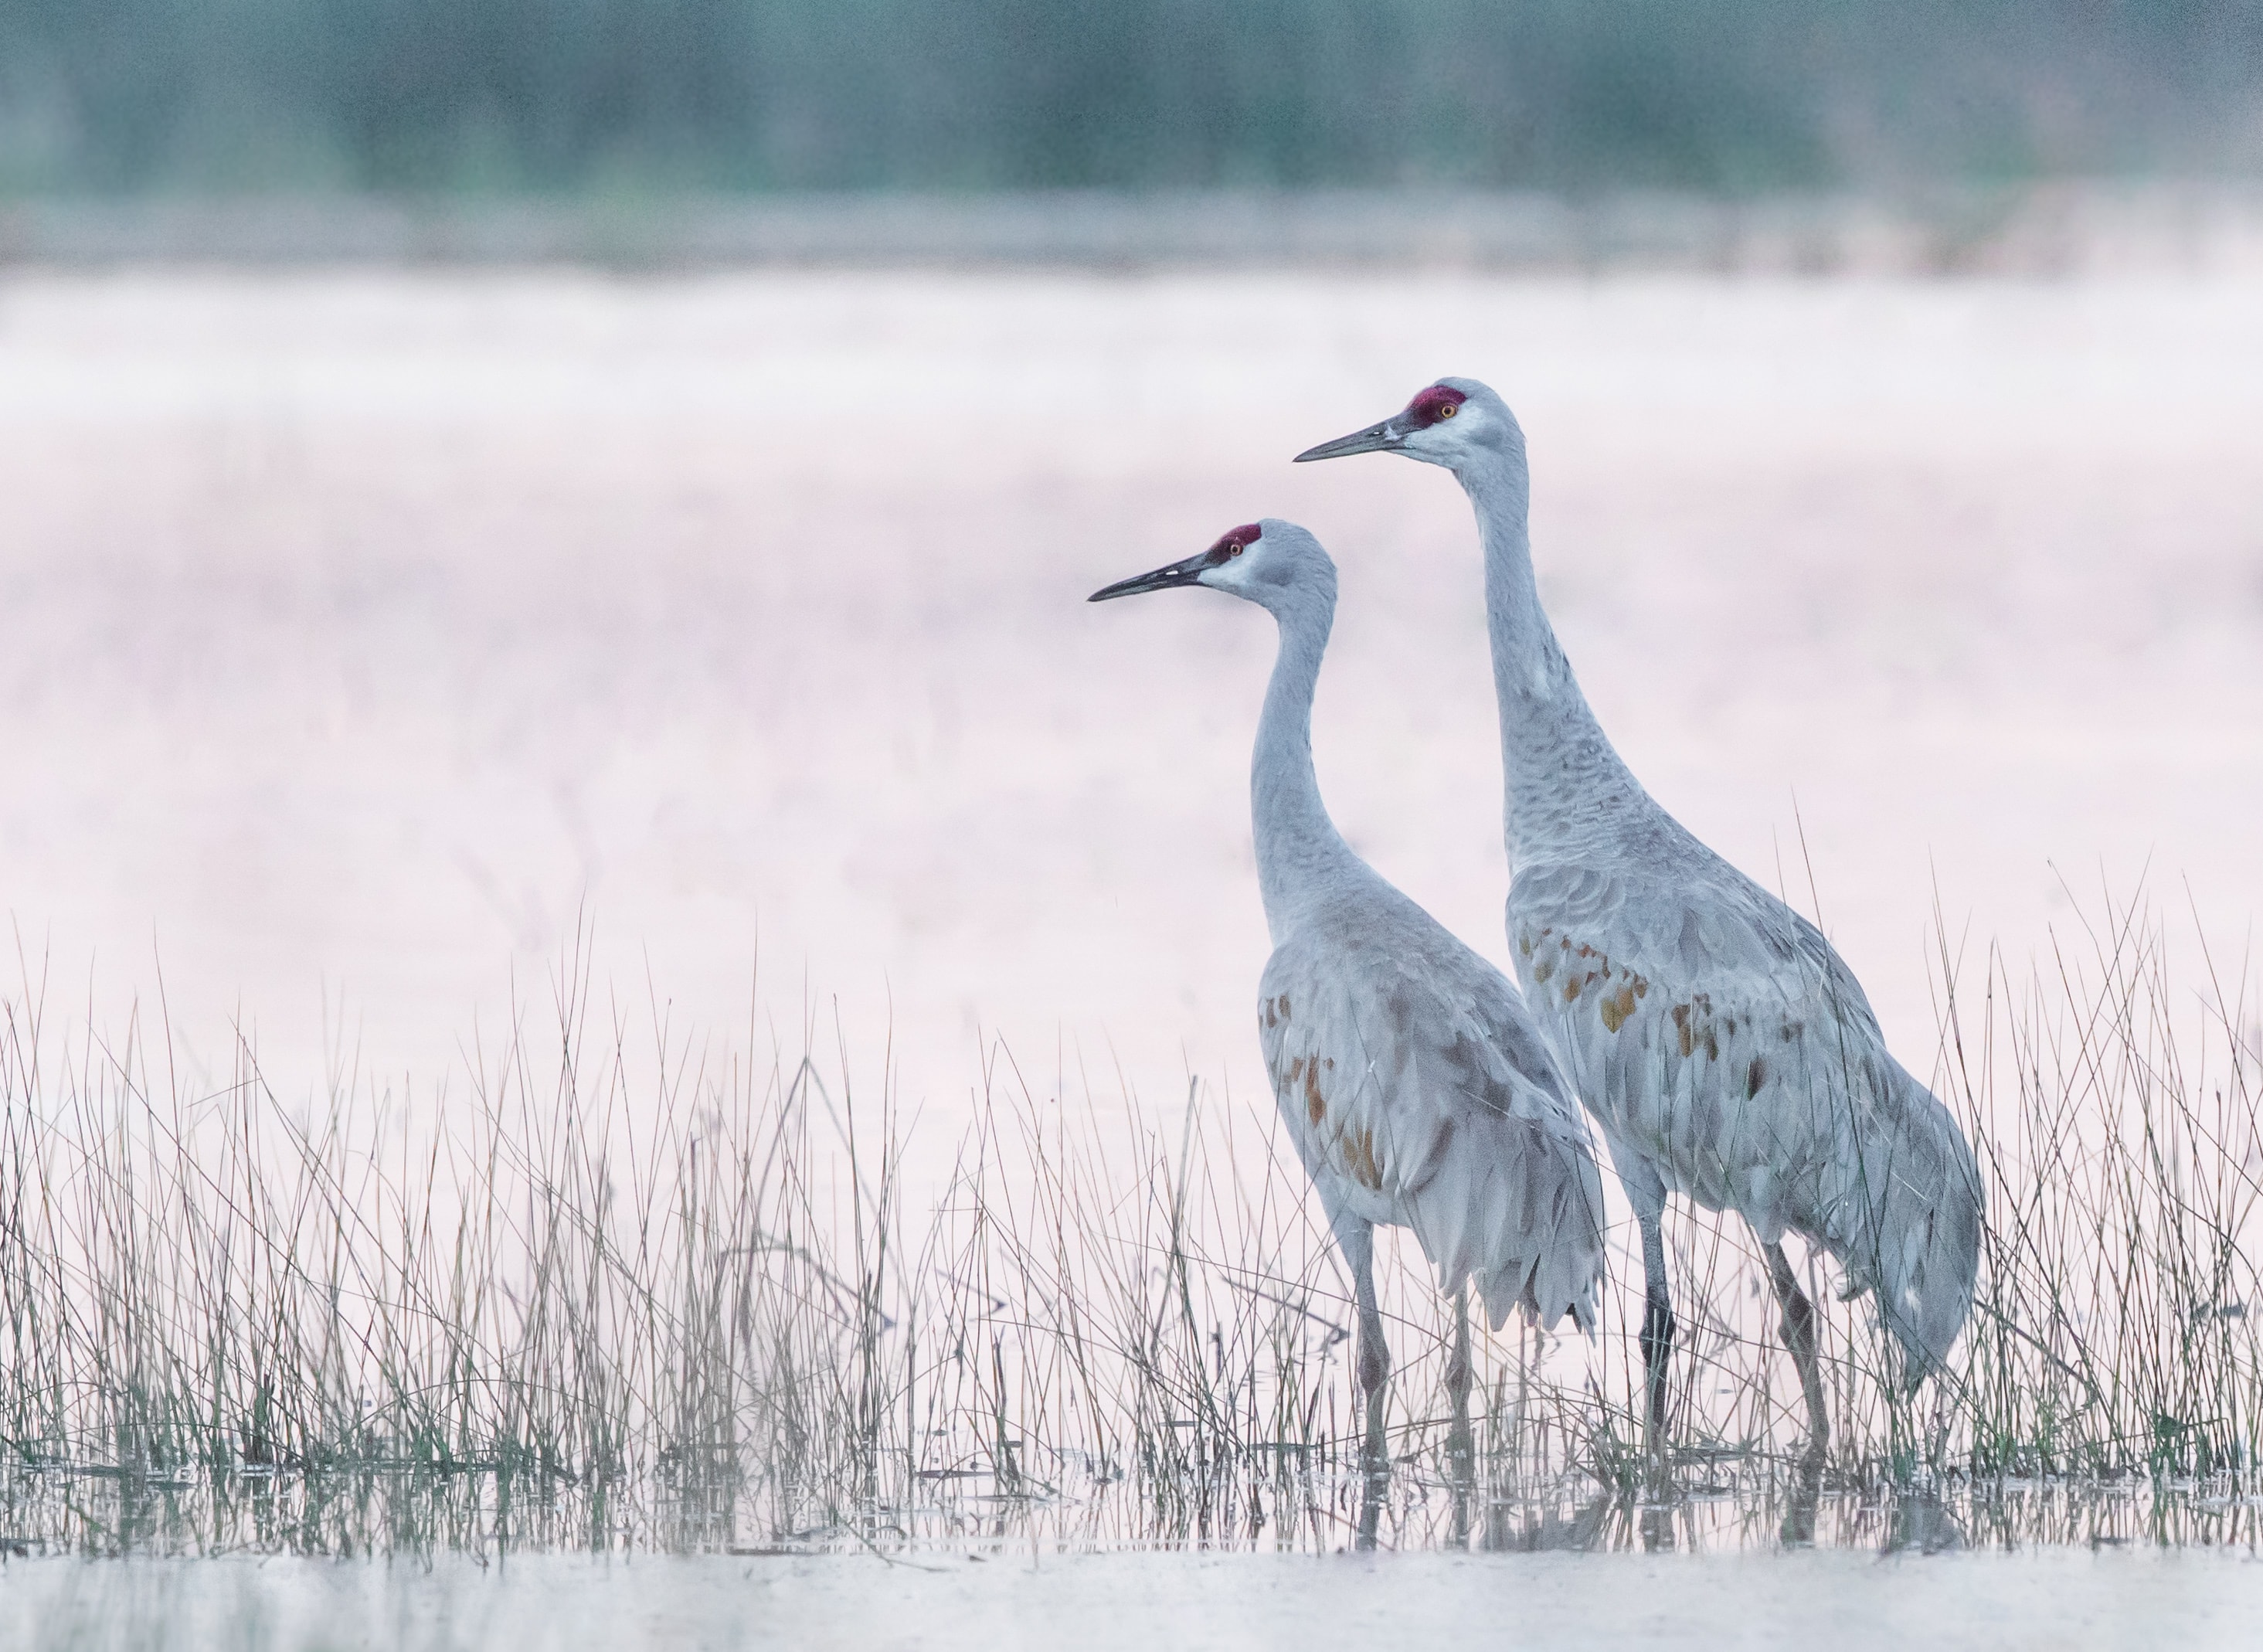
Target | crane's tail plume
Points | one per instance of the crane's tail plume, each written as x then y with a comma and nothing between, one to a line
1526,1225
1915,1240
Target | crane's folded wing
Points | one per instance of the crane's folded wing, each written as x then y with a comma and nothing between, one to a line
1418,1091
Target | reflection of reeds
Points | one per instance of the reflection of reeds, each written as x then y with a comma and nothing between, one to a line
614,1297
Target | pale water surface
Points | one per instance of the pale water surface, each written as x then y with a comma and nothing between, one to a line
1006,1599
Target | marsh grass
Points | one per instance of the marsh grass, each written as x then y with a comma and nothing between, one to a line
623,1292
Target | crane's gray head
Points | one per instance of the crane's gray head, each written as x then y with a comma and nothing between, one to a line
1274,564
1450,424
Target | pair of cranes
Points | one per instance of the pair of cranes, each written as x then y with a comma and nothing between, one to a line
1721,1044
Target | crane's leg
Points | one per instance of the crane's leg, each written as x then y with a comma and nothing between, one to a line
1357,1237
1658,1326
1798,1333
1461,1442
1647,1194
1460,1374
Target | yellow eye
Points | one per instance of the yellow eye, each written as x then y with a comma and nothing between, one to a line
1447,411
1233,550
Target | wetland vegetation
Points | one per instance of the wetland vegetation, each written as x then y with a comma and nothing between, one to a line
619,1296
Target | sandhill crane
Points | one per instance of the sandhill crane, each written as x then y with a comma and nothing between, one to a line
1723,1047
1408,1071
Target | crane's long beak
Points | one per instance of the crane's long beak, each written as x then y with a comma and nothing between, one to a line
1184,573
1375,439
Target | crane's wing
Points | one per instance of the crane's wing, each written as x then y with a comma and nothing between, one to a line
1697,928
1720,1036
1412,1078
1712,1028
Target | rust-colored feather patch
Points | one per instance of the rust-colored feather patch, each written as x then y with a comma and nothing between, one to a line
1360,1159
1617,1006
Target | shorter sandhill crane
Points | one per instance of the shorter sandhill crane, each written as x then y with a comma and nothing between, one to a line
1413,1079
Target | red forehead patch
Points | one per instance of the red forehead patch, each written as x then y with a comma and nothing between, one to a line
1438,401
1243,537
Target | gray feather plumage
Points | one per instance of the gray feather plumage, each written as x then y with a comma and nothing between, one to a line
1722,1044
1724,1048
1410,1074
1418,1093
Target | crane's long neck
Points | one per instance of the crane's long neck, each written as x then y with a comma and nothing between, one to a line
1300,853
1565,789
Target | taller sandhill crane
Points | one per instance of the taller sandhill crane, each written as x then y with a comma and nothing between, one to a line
1408,1072
1723,1047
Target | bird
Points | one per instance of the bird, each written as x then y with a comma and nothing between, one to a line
1725,1050
1409,1073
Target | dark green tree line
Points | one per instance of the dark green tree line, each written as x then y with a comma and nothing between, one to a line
136,94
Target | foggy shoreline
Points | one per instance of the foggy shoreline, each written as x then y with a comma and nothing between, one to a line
2051,230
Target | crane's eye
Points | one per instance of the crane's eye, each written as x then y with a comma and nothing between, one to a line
1233,549
1446,411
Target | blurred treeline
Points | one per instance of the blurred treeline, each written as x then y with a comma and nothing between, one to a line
1572,95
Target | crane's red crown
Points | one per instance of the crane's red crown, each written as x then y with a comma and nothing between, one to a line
1438,401
1236,541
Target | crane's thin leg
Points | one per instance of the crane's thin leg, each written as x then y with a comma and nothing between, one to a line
1459,1373
1357,1236
1658,1327
1647,1193
1798,1333
1461,1442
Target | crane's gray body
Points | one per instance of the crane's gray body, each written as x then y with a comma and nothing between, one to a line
1723,1047
1409,1073
1728,1055
1420,1094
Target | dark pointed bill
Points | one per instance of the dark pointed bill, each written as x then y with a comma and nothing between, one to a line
1161,579
1375,439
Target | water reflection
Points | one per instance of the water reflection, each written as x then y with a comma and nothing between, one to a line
1921,1523
1421,1499
1798,1528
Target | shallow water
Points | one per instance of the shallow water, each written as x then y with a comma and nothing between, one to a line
1023,1598
369,633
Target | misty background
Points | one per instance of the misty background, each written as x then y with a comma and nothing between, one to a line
388,607
226,96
